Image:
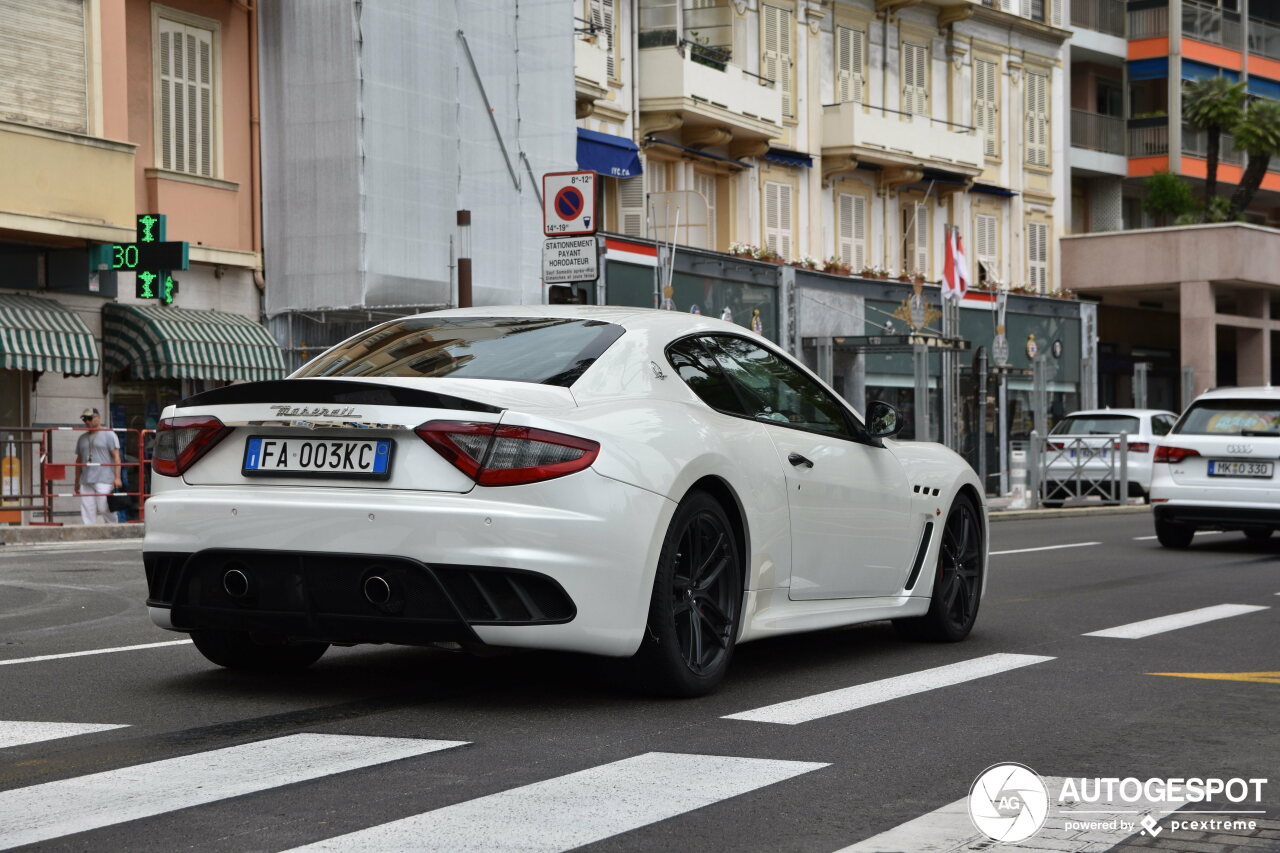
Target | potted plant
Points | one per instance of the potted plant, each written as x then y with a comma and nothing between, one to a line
701,52
917,278
869,272
836,266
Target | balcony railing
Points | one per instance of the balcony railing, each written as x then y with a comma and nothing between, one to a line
1149,23
1195,143
879,134
1097,132
1264,38
1207,23
1148,137
1104,16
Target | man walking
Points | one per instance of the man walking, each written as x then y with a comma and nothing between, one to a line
97,480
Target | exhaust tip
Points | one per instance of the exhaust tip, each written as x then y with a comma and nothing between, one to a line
235,583
377,590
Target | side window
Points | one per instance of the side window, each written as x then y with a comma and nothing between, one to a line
1161,424
774,391
703,376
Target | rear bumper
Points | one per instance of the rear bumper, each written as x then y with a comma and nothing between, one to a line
594,539
1223,516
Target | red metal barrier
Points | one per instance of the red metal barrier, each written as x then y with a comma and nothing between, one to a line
52,471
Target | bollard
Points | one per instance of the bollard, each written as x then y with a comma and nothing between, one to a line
1035,455
1018,479
1123,497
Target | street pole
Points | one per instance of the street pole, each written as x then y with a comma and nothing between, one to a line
464,259
982,418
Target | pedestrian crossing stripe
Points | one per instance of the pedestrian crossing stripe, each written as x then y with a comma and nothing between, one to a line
1173,622
54,809
19,732
569,811
1256,677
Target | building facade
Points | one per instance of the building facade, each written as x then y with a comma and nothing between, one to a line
1206,320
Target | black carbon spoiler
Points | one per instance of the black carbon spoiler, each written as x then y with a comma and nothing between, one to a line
334,391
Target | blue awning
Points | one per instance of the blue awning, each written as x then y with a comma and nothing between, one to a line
1264,88
608,155
1148,69
788,158
991,189
1192,70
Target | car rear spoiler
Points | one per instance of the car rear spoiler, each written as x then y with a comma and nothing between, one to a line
334,391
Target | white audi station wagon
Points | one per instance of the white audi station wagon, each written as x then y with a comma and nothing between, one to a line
1216,469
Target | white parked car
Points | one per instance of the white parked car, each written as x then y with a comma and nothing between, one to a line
623,482
1216,470
1082,447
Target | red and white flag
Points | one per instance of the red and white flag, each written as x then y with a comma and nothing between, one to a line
955,272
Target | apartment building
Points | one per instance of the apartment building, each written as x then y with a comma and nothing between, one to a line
1194,306
111,109
855,130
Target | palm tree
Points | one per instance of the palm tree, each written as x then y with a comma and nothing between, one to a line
1213,105
1259,134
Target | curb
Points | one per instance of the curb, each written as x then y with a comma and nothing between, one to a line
70,533
1061,512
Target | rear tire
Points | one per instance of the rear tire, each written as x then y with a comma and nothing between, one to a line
1258,534
1050,504
957,588
1174,535
696,601
238,650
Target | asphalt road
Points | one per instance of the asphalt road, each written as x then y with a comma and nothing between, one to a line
566,754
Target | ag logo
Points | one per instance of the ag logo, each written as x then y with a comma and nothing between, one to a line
1008,802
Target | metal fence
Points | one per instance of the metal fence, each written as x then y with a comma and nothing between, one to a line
1148,141
1149,23
1074,468
1104,16
1097,132
1208,23
1196,143
1264,38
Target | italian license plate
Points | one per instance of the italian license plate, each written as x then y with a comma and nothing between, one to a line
294,456
1229,468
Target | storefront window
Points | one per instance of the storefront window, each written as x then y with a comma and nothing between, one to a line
629,284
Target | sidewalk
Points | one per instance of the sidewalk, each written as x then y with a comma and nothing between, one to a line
25,535
998,510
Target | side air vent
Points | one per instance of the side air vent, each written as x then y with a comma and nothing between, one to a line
920,552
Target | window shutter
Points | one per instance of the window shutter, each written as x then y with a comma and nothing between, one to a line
186,98
851,48
915,78
43,70
777,218
921,264
777,56
852,229
602,14
631,204
1038,256
986,103
1037,119
986,253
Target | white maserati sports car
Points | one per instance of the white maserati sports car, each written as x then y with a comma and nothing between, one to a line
624,482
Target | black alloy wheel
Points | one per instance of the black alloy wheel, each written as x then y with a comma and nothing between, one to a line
957,587
239,650
697,592
1170,534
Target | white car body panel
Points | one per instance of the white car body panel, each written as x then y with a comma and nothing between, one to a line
597,532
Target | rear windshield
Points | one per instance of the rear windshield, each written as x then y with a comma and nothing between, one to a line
544,350
1096,425
1231,417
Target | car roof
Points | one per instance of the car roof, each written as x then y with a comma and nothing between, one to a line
670,323
1122,412
1246,391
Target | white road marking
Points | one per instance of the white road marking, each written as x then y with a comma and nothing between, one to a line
41,812
1045,548
1148,627
39,658
17,732
1198,533
820,705
1068,827
580,808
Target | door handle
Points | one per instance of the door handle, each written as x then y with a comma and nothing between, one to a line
799,461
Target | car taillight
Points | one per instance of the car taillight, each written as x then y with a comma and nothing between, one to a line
180,442
1057,445
495,455
1173,455
1135,447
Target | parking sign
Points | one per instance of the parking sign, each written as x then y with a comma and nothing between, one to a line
568,203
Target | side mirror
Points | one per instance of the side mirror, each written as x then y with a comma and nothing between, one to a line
883,420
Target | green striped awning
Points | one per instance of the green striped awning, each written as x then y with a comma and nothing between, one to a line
163,342
44,335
